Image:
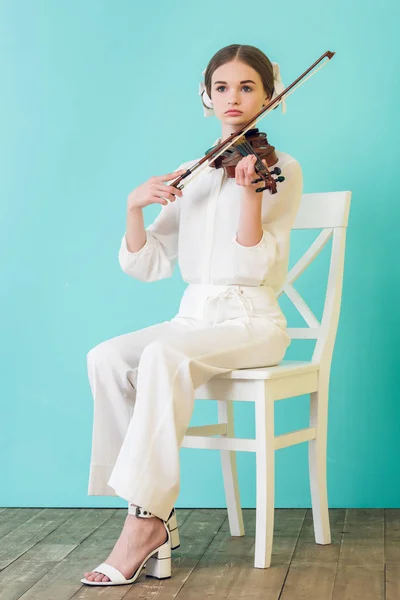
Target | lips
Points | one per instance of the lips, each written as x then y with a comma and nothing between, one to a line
233,112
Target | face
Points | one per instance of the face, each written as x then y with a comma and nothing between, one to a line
238,86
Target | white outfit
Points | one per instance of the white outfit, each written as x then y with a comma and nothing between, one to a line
143,382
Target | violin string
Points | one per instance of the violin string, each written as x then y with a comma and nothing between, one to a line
258,162
245,149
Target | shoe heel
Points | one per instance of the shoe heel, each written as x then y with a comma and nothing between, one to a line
159,565
173,528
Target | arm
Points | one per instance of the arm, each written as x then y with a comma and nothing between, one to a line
135,231
250,224
150,254
270,219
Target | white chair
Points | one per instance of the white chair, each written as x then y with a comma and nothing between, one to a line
264,386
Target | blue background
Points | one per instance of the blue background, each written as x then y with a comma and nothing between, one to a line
98,96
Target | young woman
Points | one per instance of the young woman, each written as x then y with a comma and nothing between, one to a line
232,245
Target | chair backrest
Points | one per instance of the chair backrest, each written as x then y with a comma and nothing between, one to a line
328,211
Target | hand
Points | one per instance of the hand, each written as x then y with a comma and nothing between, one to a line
245,172
154,191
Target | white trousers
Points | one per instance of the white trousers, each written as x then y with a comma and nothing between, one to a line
143,386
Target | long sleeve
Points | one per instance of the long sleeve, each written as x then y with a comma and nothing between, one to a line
157,258
254,263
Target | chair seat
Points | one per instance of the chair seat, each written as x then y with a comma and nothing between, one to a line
285,368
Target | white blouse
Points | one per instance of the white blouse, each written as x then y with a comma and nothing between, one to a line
199,231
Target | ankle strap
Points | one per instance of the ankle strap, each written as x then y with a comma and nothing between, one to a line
140,512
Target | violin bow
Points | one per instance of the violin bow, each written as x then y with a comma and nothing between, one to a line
198,167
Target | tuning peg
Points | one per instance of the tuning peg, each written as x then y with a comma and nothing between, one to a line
276,171
280,179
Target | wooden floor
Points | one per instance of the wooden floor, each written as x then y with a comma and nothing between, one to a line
44,553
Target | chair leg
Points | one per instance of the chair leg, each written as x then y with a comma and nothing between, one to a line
317,464
265,477
229,472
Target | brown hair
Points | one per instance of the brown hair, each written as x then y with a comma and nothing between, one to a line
250,55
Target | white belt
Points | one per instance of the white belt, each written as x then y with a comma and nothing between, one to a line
232,292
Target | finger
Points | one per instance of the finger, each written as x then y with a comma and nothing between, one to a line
169,189
245,161
170,176
158,200
264,162
164,196
159,192
251,163
238,174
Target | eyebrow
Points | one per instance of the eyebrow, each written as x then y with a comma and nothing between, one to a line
245,81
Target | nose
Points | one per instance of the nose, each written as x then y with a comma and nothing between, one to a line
233,97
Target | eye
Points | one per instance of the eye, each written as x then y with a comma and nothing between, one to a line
243,86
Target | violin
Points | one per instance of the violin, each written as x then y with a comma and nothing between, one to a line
252,142
248,140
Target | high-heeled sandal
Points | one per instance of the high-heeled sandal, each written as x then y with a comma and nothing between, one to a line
172,524
157,563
